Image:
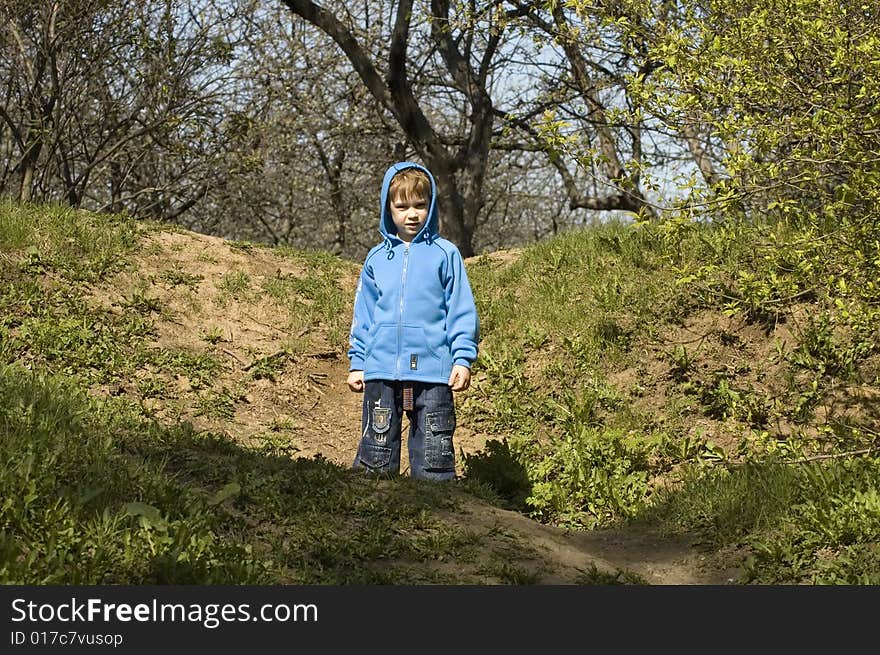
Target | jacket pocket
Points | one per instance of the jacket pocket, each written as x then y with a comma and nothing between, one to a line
418,356
439,451
380,352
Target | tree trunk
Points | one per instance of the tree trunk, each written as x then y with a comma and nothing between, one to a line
27,177
116,181
28,169
453,209
394,92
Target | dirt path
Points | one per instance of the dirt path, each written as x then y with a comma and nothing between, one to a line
654,559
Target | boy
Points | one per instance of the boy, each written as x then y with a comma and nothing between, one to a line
414,333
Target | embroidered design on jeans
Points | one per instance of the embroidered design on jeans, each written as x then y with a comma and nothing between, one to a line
381,421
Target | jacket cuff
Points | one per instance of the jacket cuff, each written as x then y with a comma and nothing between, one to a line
461,361
357,364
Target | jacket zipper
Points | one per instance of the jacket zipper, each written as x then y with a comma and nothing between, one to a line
400,317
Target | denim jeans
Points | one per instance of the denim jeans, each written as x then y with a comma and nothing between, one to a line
432,422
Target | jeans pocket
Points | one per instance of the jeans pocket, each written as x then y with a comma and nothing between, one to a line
439,451
374,456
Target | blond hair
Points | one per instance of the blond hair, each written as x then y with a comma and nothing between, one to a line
409,184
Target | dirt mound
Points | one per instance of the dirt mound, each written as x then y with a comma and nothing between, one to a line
206,297
300,403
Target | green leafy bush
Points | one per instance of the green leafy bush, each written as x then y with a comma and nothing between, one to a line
590,478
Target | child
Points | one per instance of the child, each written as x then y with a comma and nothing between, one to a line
414,333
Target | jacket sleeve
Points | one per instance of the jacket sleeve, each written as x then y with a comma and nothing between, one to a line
462,324
362,319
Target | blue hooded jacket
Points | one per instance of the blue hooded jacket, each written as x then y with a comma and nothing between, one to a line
414,313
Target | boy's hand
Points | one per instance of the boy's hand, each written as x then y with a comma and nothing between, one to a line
460,379
356,381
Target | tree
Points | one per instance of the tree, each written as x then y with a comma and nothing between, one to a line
446,109
111,104
304,139
789,92
611,151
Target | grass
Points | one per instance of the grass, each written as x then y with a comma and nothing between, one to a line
317,300
234,285
571,297
812,524
98,491
596,418
59,240
576,449
82,510
568,452
98,494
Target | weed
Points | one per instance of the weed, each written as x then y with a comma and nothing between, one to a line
825,350
206,258
510,573
220,403
267,367
723,400
152,387
593,576
200,368
589,478
176,276
234,284
213,335
831,532
139,301
243,246
277,444
690,448
682,363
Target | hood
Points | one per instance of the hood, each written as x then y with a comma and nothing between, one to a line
386,224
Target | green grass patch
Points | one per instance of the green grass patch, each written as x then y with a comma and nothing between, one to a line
587,291
96,494
316,300
583,480
69,242
814,522
574,450
80,509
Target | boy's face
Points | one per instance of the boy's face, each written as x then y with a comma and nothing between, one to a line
409,215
